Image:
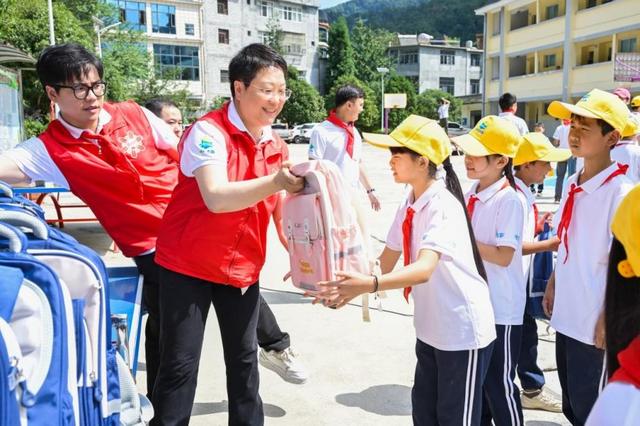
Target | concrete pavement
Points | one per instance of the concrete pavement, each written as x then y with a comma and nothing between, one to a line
360,373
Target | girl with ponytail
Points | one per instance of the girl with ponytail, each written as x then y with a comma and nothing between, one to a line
443,272
497,217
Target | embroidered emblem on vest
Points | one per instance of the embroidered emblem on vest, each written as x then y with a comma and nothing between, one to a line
131,144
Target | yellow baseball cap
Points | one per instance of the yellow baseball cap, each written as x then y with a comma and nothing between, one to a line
421,135
633,126
492,135
537,147
626,228
635,102
595,104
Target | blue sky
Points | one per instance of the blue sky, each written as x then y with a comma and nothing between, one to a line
329,3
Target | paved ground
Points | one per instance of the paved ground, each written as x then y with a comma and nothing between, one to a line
360,373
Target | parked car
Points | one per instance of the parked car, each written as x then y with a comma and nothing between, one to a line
302,132
456,129
282,130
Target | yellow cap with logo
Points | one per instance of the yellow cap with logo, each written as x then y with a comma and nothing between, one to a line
492,135
596,104
537,147
635,102
633,126
626,228
421,135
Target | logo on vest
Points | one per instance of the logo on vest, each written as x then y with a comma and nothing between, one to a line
131,144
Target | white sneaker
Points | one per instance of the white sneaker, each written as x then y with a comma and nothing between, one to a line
546,400
285,364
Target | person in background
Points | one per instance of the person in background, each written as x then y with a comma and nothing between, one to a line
561,140
538,128
275,344
624,94
443,113
169,112
509,106
619,402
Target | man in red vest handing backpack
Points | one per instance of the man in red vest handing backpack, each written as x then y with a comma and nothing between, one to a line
120,159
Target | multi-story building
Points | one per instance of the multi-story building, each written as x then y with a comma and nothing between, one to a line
173,32
441,64
545,50
231,25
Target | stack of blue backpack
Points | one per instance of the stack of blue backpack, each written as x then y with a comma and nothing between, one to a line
58,365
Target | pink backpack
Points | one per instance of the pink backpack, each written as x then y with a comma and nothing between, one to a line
321,227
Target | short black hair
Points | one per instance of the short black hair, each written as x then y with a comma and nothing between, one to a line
348,93
605,127
64,63
251,60
506,101
157,105
539,124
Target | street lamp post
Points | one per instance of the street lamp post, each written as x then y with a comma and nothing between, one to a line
99,31
382,71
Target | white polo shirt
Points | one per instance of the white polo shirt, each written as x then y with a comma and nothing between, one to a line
523,129
562,135
329,142
618,404
498,220
529,229
581,281
33,159
443,111
627,152
453,309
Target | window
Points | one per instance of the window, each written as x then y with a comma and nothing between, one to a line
550,60
132,13
176,62
264,37
628,45
447,84
249,2
324,53
591,3
249,33
475,60
475,86
285,12
223,7
189,29
553,11
497,23
266,8
408,57
223,36
163,18
291,13
495,68
224,76
447,57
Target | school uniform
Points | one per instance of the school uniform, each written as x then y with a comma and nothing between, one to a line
520,124
453,315
498,220
628,152
530,374
125,175
214,258
580,281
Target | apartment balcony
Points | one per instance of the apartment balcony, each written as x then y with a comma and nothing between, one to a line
586,77
544,84
608,17
545,33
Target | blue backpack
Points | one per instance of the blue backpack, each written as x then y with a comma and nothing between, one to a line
49,389
542,269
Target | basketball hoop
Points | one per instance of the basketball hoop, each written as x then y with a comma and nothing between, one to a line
626,67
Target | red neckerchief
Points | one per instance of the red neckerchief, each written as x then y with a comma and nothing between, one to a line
473,199
406,243
629,359
347,127
538,226
567,211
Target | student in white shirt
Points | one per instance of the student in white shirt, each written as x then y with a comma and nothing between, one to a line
619,402
508,107
627,150
443,113
497,216
561,140
453,316
531,164
575,292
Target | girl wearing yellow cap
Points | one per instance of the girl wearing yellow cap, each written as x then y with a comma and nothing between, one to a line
497,216
443,271
619,402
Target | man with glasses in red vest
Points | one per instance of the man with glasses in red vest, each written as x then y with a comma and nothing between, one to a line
120,159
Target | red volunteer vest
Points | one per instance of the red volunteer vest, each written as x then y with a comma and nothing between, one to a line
120,174
223,248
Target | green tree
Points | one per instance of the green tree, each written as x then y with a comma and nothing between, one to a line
305,104
370,51
426,104
340,62
370,116
400,84
275,36
126,66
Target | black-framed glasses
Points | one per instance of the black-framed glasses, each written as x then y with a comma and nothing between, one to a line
81,91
